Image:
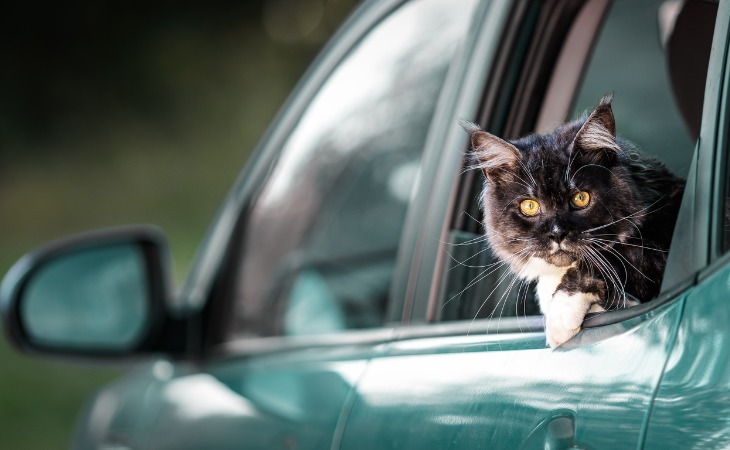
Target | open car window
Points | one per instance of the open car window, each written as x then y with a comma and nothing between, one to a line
641,54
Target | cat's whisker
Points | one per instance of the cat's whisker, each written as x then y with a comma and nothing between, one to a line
477,240
571,159
622,257
472,217
502,301
626,243
484,274
524,283
619,289
496,285
510,239
619,236
607,271
529,174
621,239
503,298
482,167
522,183
597,264
463,263
641,236
482,241
635,214
590,165
612,274
610,250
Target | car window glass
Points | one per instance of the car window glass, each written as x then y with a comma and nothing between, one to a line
321,238
631,59
635,56
725,238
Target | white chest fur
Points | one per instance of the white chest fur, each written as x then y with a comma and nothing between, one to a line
548,278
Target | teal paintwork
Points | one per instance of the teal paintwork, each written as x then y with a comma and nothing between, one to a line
692,406
290,399
447,392
503,391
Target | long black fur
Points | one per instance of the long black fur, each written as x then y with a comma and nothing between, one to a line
628,224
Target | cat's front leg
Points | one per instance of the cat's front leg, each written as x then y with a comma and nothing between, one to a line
567,303
566,313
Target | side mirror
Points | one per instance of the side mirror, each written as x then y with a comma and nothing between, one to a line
99,293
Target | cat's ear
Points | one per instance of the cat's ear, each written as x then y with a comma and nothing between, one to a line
489,153
598,133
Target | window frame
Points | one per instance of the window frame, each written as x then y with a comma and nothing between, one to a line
716,162
417,256
699,240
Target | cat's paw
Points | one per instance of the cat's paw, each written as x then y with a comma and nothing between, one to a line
566,315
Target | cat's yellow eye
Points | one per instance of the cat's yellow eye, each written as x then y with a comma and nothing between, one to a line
529,207
580,199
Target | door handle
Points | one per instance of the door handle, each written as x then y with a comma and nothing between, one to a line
560,434
554,433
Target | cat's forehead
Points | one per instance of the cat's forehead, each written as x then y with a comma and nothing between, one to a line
544,171
546,156
557,144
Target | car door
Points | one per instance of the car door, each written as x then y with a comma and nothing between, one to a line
292,288
472,369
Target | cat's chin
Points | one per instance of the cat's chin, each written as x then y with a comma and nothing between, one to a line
560,258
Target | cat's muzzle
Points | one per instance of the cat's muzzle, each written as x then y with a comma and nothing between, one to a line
559,255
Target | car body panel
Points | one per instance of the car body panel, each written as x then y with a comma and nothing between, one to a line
285,400
691,408
503,391
269,399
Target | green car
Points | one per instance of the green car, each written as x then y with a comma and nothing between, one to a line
340,301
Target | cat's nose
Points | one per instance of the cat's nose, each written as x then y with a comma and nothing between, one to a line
557,234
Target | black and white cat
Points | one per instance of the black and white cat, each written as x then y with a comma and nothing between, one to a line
580,211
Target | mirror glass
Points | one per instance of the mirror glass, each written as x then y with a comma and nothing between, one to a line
90,299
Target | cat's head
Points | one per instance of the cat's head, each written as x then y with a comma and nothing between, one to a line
557,197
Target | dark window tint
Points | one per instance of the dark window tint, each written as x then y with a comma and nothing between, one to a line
653,56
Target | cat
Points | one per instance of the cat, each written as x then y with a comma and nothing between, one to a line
580,211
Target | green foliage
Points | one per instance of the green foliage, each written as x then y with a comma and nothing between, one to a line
144,116
40,400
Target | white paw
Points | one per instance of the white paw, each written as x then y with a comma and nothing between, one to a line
566,315
596,308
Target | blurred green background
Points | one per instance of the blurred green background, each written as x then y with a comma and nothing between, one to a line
114,113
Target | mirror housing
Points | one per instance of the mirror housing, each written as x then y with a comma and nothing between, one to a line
100,293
